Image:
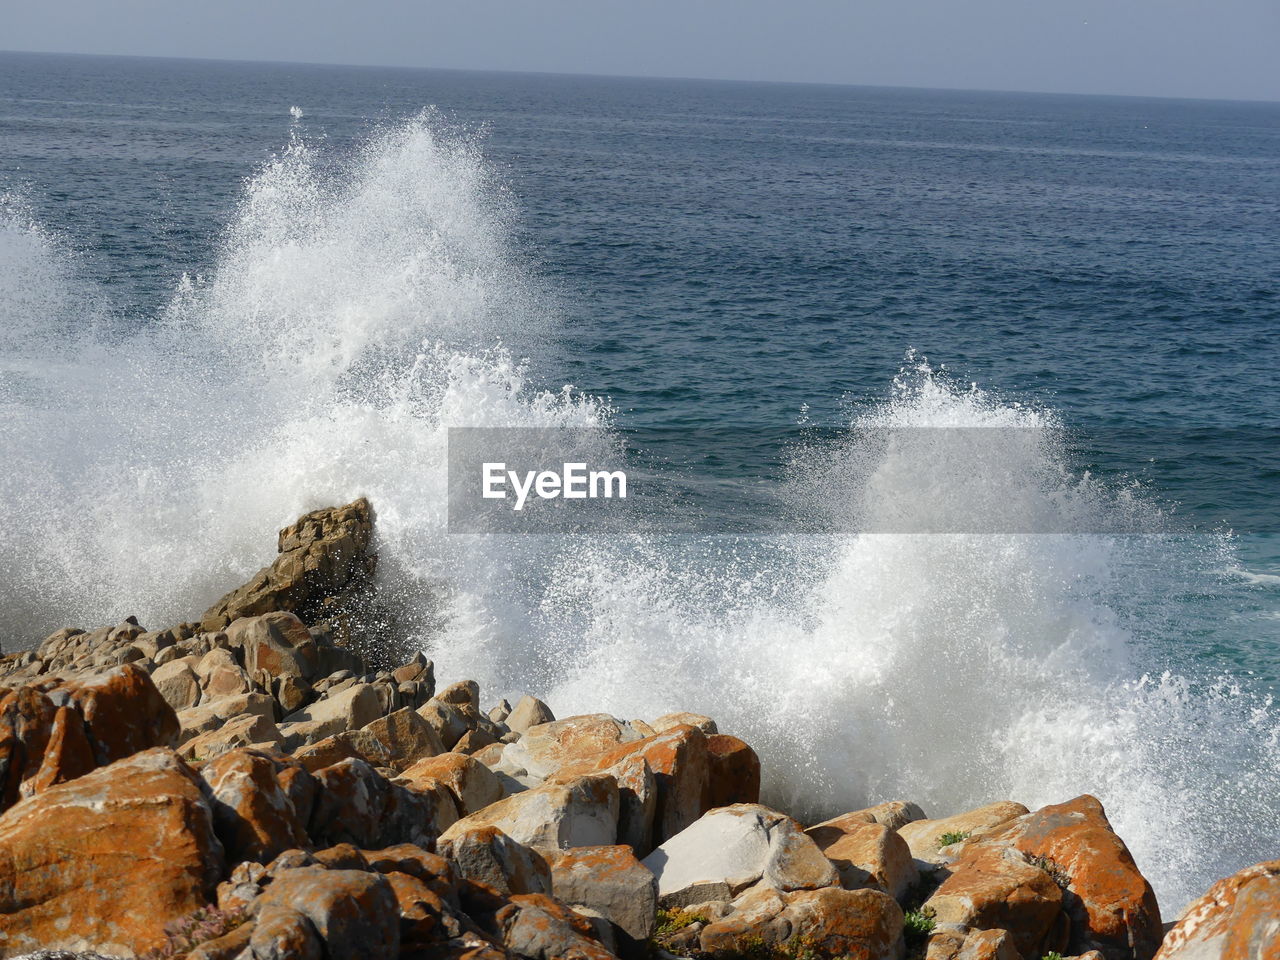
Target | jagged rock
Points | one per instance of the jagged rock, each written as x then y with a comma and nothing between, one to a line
681,767
473,741
610,883
460,693
828,923
582,812
278,643
177,683
358,805
488,855
446,720
246,730
866,855
323,567
993,887
1238,918
415,670
253,815
667,721
1110,904
53,731
406,736
292,693
536,926
925,837
106,860
337,914
349,709
123,712
733,848
473,785
213,714
349,745
221,675
528,712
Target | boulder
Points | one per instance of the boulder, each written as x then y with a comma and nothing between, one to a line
53,731
529,712
894,814
253,815
535,926
246,730
278,644
544,749
473,741
334,914
349,709
1111,906
867,855
357,805
446,720
349,745
106,860
681,768
488,855
67,754
292,693
610,883
406,736
925,837
667,721
473,785
581,812
123,712
1238,918
323,566
177,683
826,924
733,848
463,692
993,887
221,674
211,715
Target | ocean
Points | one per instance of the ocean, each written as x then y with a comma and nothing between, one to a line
233,292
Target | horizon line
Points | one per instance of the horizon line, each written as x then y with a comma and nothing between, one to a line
633,76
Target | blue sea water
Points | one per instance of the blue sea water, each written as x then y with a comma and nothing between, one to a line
728,267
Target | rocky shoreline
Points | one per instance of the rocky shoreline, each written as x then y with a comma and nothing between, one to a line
279,781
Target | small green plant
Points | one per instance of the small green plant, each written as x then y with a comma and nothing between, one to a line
1056,873
184,935
917,925
953,837
1053,955
673,921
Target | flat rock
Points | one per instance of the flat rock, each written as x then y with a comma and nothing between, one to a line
733,848
582,812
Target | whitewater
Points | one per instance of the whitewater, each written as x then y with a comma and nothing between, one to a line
361,305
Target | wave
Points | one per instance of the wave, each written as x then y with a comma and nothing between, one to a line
361,306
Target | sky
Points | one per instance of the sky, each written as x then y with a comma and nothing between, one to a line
1175,48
